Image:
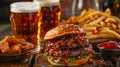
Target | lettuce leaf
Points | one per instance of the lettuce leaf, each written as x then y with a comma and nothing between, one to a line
84,55
58,60
70,59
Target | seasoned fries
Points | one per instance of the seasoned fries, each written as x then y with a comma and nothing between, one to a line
97,24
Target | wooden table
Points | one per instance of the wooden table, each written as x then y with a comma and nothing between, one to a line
25,63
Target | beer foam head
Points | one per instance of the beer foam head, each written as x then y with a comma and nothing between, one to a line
25,7
48,2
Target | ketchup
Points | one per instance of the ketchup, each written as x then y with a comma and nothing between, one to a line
96,31
109,45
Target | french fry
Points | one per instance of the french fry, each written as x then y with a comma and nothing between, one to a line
98,20
114,26
99,36
89,33
108,11
119,26
92,37
102,24
91,10
111,32
96,16
110,20
108,24
118,31
96,25
89,28
105,28
83,13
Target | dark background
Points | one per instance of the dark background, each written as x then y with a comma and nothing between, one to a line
65,4
5,9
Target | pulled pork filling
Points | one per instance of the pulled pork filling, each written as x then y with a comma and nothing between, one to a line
72,45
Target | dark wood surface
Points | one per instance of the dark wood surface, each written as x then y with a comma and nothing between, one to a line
25,63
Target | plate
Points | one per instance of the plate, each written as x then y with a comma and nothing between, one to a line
18,57
110,50
95,42
41,61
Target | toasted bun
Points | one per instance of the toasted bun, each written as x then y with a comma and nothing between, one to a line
73,63
62,30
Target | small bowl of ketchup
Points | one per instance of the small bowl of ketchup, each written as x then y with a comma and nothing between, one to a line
110,48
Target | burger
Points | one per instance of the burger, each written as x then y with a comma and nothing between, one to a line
66,45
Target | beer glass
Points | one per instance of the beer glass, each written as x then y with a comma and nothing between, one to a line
51,11
25,20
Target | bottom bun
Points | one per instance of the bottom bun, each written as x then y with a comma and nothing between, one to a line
73,63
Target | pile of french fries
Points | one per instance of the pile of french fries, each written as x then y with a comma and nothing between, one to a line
97,24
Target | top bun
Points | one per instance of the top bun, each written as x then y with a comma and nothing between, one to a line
63,30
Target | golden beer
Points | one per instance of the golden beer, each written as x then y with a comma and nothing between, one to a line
25,18
51,11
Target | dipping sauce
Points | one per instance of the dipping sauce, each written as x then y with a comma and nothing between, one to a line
109,45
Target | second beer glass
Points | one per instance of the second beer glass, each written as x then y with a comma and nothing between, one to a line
51,11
